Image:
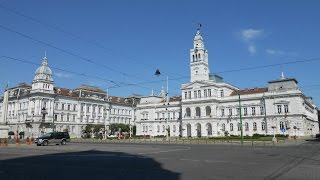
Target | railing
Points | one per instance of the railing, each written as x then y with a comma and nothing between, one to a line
224,141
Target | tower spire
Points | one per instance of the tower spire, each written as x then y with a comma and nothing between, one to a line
282,76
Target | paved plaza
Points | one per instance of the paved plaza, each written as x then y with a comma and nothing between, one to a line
160,161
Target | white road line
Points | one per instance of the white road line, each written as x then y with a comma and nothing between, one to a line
166,151
194,160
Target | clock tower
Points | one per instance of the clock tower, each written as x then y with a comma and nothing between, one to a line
199,60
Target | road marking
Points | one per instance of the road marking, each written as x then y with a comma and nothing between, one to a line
166,151
194,160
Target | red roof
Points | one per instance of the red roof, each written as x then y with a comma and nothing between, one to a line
250,91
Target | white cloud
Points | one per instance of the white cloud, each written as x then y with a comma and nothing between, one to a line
280,53
249,36
62,75
252,49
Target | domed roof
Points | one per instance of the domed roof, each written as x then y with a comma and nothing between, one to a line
43,72
198,36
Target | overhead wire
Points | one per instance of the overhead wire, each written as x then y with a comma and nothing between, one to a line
73,35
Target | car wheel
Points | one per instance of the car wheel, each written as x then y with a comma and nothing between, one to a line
63,142
45,143
38,144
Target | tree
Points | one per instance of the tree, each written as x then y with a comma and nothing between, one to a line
115,128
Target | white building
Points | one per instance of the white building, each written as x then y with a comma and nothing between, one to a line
210,107
38,108
156,115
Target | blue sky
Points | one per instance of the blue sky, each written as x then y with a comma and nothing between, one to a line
128,40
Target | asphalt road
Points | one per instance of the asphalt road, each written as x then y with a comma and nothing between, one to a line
164,162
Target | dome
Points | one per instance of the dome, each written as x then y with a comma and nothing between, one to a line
43,72
198,36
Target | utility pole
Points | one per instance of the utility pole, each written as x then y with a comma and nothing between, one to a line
240,118
167,104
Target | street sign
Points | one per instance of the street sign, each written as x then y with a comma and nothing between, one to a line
283,130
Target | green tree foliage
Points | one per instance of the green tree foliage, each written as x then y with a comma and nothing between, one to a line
115,127
95,128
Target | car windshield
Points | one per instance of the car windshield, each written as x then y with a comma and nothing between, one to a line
46,135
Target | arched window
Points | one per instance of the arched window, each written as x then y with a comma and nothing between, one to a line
208,111
199,56
254,126
247,126
193,58
263,126
188,112
231,127
223,127
198,112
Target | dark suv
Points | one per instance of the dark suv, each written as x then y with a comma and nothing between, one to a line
53,138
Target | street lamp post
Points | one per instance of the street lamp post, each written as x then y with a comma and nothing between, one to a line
240,118
132,118
265,113
167,104
157,73
105,121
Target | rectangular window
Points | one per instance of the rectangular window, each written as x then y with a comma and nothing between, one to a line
209,92
74,107
74,117
157,115
279,109
199,93
205,93
221,93
61,117
286,108
222,112
62,107
253,111
88,108
230,112
168,115
245,111
173,115
68,107
82,107
185,95
195,94
238,111
261,110
68,118
189,94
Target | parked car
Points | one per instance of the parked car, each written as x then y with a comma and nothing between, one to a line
53,138
318,136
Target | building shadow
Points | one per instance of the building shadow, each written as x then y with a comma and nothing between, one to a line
89,165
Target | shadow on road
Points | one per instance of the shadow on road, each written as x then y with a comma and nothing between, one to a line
89,165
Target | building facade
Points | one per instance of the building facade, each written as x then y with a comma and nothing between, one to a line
39,108
211,107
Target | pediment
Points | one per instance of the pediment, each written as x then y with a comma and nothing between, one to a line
197,84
